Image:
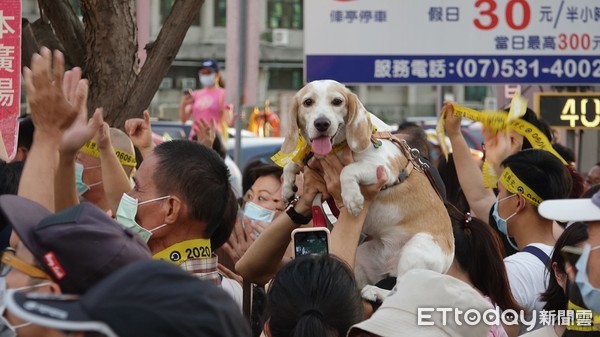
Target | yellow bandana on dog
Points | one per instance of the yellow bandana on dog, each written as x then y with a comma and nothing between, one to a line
303,149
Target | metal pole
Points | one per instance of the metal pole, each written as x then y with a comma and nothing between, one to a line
243,10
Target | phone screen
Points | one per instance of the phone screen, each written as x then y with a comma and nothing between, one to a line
311,242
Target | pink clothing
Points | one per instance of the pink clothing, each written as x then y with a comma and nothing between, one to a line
208,104
495,330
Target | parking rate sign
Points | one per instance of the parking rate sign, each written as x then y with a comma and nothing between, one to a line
10,72
453,41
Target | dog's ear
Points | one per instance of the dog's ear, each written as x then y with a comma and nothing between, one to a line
358,125
291,139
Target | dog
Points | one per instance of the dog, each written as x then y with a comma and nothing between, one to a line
407,223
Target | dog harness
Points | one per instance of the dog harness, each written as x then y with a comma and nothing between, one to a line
415,162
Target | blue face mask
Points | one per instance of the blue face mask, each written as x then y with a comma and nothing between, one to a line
501,223
589,294
256,212
79,184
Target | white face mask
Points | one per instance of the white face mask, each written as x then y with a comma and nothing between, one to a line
207,80
6,328
256,212
127,211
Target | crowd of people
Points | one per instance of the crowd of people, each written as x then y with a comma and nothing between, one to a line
99,241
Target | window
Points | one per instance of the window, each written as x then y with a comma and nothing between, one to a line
475,93
165,9
284,14
220,13
285,79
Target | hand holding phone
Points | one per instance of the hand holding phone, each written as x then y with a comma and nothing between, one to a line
308,241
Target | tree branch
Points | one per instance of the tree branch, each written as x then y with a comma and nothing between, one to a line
67,27
159,59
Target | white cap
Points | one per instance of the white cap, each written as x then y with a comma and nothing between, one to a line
423,289
572,209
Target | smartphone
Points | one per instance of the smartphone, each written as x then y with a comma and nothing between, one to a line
187,92
309,241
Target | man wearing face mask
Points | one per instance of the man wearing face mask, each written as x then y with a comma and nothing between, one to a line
586,270
182,204
207,103
526,179
88,171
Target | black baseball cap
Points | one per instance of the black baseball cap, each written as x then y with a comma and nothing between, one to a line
76,247
144,299
209,63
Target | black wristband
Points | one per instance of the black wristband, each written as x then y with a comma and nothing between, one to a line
296,217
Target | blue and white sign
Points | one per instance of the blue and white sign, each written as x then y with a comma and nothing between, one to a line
453,41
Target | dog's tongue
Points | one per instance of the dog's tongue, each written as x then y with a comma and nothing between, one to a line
321,146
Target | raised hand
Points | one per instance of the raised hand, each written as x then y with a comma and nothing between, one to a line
451,122
205,132
140,132
51,111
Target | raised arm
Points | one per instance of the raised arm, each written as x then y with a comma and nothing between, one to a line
470,177
52,114
140,132
73,139
114,177
346,232
185,107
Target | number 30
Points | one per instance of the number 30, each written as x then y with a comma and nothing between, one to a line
509,14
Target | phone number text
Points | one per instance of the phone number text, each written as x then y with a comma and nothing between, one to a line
456,69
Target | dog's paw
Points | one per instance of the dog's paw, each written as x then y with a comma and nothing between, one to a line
354,202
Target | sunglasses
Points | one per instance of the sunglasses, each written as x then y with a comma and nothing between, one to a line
10,261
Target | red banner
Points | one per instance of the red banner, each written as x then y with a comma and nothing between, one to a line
10,72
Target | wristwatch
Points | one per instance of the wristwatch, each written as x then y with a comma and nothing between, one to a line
296,217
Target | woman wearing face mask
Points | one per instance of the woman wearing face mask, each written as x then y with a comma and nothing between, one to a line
558,294
208,103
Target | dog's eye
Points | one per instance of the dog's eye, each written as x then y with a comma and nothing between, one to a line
308,102
337,102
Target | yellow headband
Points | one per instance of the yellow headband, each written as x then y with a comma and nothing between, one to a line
125,158
514,185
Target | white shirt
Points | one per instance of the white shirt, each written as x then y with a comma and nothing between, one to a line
528,278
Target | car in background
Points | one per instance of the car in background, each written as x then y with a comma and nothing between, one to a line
252,147
255,148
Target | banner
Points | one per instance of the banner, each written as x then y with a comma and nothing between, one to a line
452,41
10,73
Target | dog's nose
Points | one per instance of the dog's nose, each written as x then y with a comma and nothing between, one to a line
322,124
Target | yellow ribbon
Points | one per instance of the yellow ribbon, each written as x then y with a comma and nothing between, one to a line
584,314
500,120
183,251
125,158
490,179
514,185
302,150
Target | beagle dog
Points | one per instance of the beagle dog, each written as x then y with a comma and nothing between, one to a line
408,224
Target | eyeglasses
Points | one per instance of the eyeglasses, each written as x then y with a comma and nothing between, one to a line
10,261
